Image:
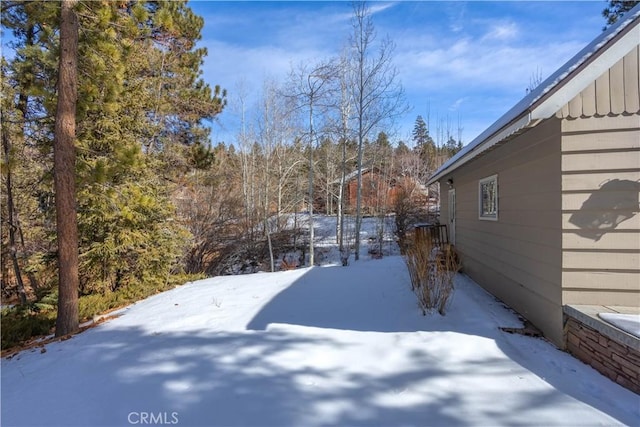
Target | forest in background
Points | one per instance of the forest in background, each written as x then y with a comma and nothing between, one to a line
155,199
153,202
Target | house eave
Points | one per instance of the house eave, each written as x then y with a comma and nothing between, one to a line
555,92
583,76
516,126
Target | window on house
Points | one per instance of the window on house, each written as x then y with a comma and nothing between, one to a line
488,194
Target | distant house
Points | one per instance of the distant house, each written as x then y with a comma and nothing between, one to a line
543,206
379,191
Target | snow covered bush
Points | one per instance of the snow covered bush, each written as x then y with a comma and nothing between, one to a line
432,270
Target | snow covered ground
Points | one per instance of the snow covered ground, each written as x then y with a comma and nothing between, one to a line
627,322
331,345
325,236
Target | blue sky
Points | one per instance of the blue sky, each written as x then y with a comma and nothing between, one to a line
465,61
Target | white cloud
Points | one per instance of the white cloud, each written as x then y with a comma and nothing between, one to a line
456,12
478,78
456,105
502,31
231,65
462,62
468,62
380,7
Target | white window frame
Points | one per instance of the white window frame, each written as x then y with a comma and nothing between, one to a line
482,214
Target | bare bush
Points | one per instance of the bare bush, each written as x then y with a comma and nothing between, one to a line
432,270
288,263
409,211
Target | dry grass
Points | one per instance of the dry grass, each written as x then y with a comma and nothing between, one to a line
432,271
288,264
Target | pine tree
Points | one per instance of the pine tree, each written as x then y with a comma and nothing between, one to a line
424,144
420,133
140,109
145,114
451,147
26,129
401,149
616,9
64,161
10,223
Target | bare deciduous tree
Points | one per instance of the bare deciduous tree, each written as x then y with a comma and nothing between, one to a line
247,163
378,96
534,80
345,106
269,130
311,87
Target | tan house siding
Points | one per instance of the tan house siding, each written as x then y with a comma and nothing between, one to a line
615,92
601,187
566,160
600,210
517,258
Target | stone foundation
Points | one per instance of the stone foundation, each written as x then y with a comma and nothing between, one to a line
610,351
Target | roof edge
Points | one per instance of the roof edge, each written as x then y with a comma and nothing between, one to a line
522,122
583,77
558,89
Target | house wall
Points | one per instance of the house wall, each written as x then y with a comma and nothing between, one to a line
615,92
377,193
518,257
601,210
601,188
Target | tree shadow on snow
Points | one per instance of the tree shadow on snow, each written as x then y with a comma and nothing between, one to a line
324,298
342,298
112,376
287,370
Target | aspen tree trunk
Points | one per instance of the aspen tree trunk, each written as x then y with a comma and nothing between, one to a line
344,252
359,195
362,44
339,204
345,108
64,160
311,234
378,98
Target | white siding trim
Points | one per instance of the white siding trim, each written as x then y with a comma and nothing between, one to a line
607,59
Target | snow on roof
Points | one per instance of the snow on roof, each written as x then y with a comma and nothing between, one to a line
538,104
351,175
348,177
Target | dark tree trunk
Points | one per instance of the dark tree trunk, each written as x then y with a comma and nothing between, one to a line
23,101
64,160
11,221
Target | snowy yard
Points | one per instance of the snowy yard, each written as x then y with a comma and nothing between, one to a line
318,346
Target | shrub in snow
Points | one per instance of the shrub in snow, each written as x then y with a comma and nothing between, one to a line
344,257
289,261
432,270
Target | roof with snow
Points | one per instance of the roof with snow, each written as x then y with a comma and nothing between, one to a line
352,175
558,89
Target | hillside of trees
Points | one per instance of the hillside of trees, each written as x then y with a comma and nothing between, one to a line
150,199
112,190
